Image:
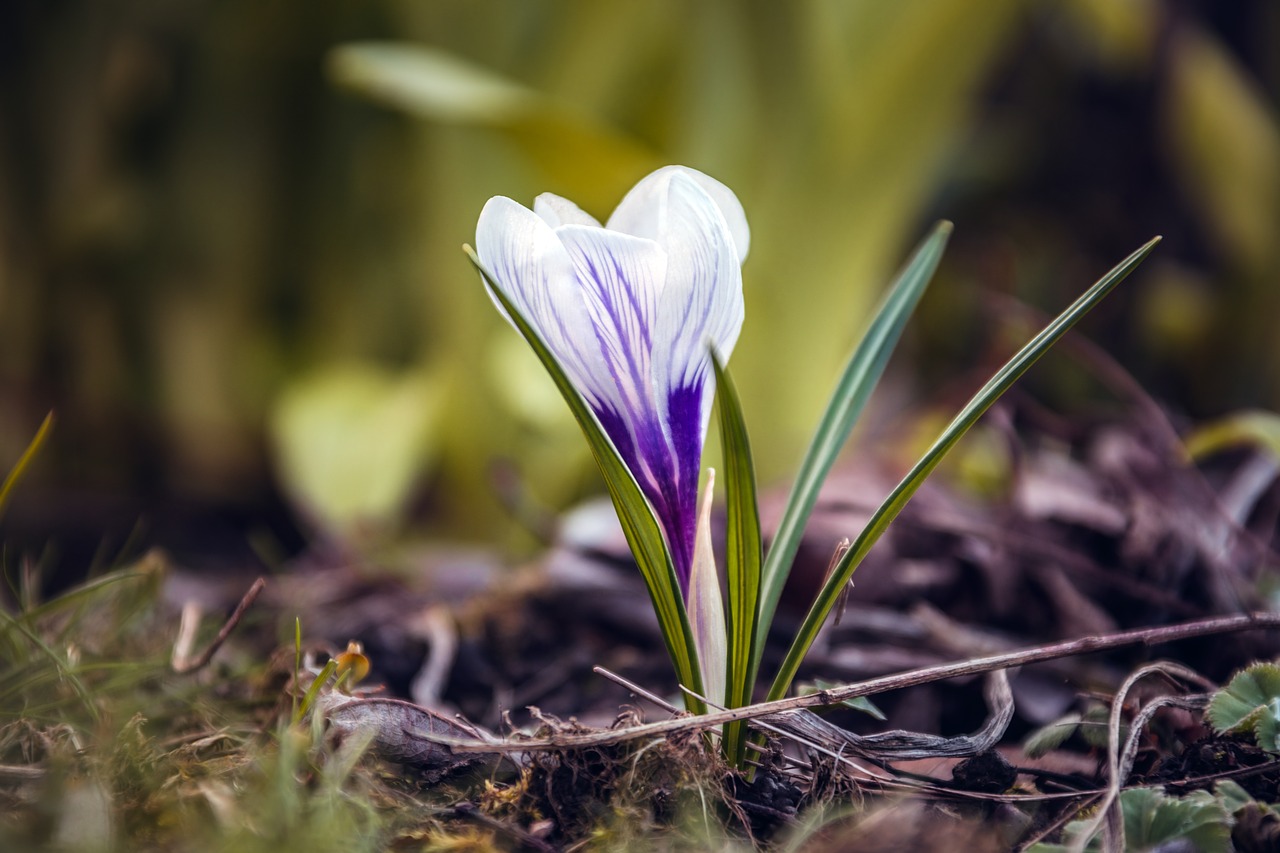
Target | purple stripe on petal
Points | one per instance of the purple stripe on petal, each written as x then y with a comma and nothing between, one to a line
668,493
615,426
668,480
620,277
685,420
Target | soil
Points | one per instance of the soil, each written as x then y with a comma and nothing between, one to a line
1096,528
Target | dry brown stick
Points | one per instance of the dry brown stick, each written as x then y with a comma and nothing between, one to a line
183,666
913,678
802,738
636,689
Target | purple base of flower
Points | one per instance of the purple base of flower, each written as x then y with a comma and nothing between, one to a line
667,470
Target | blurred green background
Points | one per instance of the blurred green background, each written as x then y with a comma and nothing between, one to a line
230,231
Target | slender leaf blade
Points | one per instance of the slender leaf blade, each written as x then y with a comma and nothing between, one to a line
902,493
852,391
641,528
6,488
66,670
743,554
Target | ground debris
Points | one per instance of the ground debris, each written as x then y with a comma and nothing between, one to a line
988,772
214,754
1215,755
400,732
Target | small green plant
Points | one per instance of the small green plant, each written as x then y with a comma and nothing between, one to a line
635,321
1092,726
1152,819
1250,703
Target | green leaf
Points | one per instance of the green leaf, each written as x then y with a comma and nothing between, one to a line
1257,428
1224,148
857,703
1048,738
575,146
1232,796
66,669
1267,731
743,554
1250,702
6,488
431,83
902,493
642,530
852,391
1095,726
1153,819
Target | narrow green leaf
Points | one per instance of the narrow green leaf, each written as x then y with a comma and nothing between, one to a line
743,555
24,460
852,391
1255,428
901,494
642,530
66,670
431,83
578,148
857,703
87,590
309,698
297,666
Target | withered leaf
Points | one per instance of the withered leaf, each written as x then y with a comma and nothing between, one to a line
400,732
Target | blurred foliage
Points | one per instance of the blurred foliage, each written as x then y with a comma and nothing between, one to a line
349,443
1252,428
201,204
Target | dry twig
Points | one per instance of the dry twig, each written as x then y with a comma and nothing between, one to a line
913,678
182,663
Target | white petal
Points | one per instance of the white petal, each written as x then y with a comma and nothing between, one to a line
557,211
702,300
641,210
706,606
622,278
531,264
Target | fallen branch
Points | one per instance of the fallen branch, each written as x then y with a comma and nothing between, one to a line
883,684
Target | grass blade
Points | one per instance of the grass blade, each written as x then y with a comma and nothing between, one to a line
65,669
743,555
902,493
6,488
643,533
857,382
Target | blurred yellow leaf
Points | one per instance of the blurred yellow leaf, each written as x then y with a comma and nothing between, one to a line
351,441
1123,31
569,144
10,481
524,387
1255,427
1227,144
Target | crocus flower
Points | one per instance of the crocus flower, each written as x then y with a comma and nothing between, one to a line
629,310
